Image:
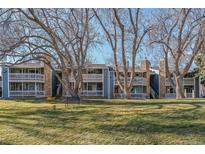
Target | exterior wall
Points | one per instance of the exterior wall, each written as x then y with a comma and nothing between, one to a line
187,83
108,82
5,82
105,83
196,88
162,77
111,83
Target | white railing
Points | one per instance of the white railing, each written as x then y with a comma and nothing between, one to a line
186,81
92,93
137,81
173,95
90,78
27,93
170,95
133,95
26,76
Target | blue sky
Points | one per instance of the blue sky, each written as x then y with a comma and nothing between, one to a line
104,51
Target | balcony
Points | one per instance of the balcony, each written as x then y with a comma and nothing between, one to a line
27,93
137,81
91,78
173,95
97,93
19,77
133,95
170,95
186,81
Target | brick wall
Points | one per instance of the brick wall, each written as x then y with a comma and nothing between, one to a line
145,67
162,77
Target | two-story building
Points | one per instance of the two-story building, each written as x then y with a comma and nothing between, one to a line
166,90
35,79
26,80
141,83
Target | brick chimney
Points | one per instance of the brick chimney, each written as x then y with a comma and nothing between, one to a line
162,78
145,67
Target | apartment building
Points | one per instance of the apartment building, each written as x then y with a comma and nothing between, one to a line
95,82
141,84
190,84
26,80
35,79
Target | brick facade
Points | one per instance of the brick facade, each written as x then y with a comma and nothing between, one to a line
145,67
162,77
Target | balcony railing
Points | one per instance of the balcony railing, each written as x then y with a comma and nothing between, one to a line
26,76
186,81
91,78
173,95
170,95
28,93
133,95
137,81
92,93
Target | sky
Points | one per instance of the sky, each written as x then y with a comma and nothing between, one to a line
104,51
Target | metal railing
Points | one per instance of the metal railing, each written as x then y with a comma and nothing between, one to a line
186,81
132,95
137,81
26,76
27,93
90,78
92,93
173,95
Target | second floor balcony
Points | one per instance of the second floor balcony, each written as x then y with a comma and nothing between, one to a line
137,81
186,81
90,78
26,77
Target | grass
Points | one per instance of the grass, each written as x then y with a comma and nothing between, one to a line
161,121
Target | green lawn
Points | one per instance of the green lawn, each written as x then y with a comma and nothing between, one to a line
103,122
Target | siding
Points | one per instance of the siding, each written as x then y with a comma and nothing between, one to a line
5,79
105,82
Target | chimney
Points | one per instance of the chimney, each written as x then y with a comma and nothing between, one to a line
145,68
162,78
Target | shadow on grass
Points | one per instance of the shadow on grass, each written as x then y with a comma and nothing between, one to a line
177,121
145,127
109,102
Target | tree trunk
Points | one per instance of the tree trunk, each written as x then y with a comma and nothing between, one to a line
126,93
179,88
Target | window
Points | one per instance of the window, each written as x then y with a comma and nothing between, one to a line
15,86
95,71
139,89
15,70
99,86
95,86
189,89
169,89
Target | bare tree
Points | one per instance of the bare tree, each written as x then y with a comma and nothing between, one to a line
58,37
179,33
124,33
